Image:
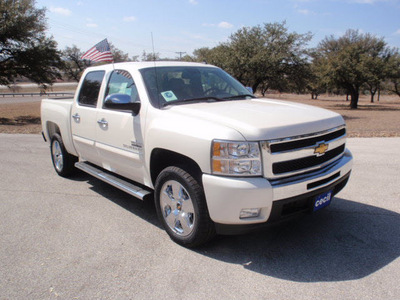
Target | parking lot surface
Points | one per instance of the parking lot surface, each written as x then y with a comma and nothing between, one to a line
82,239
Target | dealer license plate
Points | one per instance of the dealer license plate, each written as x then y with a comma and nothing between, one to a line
323,200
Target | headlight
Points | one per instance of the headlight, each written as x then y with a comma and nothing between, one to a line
236,158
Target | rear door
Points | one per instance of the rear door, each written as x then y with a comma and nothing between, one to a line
119,136
84,117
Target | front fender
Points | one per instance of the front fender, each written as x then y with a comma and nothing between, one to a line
185,135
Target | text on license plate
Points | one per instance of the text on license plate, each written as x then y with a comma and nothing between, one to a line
322,200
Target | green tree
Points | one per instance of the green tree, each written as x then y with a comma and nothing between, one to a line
394,73
24,48
150,56
353,60
74,65
262,57
379,70
119,55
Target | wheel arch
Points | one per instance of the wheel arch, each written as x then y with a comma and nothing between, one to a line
163,158
52,128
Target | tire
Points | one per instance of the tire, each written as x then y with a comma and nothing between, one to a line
63,162
182,209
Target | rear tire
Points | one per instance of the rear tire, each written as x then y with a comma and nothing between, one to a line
63,162
182,209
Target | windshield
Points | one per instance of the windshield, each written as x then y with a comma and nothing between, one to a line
177,85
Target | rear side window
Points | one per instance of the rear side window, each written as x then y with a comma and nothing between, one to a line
90,88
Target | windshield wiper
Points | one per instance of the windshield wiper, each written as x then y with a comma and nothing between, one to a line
240,96
191,100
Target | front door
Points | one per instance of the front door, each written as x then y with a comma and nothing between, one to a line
118,133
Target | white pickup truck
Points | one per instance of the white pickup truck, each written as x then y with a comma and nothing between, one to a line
215,158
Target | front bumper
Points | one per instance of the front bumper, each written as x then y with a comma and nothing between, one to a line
227,196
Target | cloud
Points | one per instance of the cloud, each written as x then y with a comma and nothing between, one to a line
303,11
92,25
397,32
225,25
366,1
193,2
306,12
222,24
61,11
129,19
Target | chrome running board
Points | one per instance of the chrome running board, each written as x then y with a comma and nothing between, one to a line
115,181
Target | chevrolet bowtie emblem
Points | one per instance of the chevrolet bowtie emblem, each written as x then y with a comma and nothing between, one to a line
321,149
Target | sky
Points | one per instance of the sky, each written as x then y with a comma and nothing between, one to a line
185,25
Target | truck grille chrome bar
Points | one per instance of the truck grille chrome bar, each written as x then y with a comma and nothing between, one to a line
291,156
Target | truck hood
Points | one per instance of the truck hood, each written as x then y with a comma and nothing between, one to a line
263,119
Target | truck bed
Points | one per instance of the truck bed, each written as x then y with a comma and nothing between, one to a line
55,117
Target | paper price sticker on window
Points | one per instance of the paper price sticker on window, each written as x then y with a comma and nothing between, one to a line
169,96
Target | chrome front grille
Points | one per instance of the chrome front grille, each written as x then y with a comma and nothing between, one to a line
295,155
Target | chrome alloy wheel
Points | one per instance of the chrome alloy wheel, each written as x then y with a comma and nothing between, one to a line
177,208
57,156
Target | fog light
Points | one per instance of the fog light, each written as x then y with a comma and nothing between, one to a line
249,213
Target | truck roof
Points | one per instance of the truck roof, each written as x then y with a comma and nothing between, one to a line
148,64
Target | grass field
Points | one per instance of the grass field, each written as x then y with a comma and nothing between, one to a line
379,119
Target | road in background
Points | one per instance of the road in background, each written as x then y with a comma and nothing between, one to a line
82,239
19,99
59,87
27,99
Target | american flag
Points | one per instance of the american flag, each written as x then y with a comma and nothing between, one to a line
99,52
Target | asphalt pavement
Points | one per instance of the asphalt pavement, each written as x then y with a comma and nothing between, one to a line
82,239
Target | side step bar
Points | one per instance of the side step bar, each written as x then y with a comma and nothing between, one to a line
117,182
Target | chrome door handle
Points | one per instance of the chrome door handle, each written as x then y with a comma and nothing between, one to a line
76,117
103,123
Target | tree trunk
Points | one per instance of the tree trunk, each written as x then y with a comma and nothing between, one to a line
372,92
379,94
255,85
396,89
354,99
264,90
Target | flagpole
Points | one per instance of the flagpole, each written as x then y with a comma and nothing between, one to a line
112,57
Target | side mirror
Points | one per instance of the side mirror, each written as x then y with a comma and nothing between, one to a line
122,102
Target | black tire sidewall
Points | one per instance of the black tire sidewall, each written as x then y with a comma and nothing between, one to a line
202,220
68,161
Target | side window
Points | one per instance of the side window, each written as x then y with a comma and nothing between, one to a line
90,89
121,82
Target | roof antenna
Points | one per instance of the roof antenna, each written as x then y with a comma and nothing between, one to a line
152,43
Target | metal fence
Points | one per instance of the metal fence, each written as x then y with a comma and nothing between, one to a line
49,94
